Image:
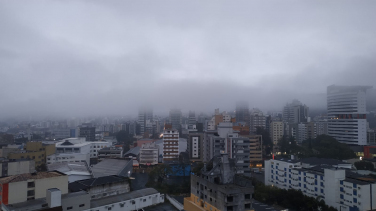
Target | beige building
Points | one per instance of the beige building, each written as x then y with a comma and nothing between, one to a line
255,151
24,187
276,133
14,167
36,151
148,154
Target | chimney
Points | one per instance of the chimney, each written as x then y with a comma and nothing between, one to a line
204,167
53,197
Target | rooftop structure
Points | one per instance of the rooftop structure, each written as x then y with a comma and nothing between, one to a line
120,167
75,171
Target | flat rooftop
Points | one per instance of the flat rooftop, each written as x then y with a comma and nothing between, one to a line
28,176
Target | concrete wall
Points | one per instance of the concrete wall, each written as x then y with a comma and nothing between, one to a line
21,167
41,185
75,202
17,192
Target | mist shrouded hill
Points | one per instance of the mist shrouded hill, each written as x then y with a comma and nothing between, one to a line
81,58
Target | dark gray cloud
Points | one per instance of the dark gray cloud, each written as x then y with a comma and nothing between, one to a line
70,58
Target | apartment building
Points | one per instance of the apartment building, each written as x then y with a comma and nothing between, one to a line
170,144
195,145
276,133
148,154
219,188
347,114
327,179
36,151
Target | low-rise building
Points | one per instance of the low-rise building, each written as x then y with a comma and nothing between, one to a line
110,152
24,187
14,167
219,188
77,150
101,187
148,154
327,179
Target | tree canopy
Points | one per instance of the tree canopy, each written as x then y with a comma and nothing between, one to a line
322,146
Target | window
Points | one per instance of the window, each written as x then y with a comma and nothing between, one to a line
133,202
109,208
30,184
81,205
30,193
69,208
247,196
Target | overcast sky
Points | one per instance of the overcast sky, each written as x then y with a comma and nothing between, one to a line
75,58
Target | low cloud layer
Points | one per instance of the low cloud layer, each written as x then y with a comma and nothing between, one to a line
76,58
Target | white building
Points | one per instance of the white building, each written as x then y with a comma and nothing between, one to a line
327,179
135,200
76,150
347,114
148,154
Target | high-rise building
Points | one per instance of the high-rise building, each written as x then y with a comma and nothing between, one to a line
347,114
170,144
295,112
175,118
144,114
242,112
195,146
257,119
88,132
191,119
276,133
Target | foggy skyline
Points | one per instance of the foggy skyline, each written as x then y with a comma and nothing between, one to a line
77,58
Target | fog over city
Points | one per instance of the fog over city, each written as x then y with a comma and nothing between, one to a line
76,58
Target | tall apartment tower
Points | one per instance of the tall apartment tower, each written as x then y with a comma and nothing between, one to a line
170,144
276,133
242,112
257,119
295,112
144,114
175,118
192,118
347,114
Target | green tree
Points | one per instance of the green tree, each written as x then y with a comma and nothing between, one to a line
364,165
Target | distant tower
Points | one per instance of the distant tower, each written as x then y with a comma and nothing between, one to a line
295,112
175,118
242,112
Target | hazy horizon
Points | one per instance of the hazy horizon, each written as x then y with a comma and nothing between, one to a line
93,58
